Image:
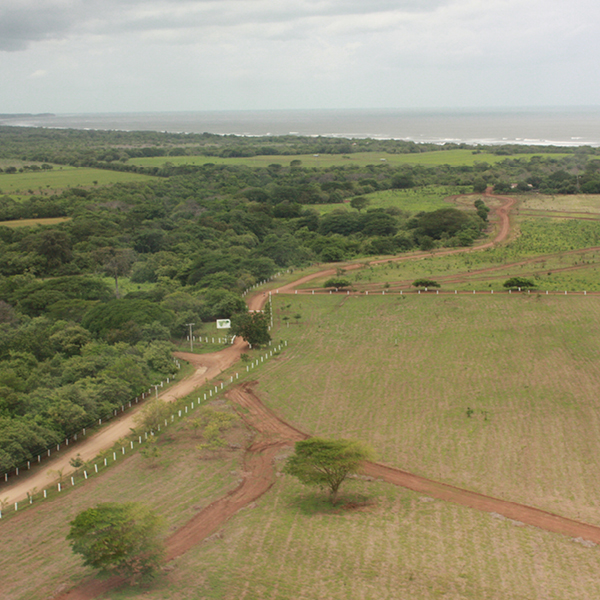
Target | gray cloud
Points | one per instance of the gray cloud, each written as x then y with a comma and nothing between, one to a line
55,19
197,54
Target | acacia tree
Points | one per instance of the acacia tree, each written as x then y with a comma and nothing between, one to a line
327,463
518,282
359,202
119,538
425,283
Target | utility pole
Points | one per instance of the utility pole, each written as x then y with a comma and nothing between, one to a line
190,325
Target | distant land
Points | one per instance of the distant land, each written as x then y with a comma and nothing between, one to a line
24,115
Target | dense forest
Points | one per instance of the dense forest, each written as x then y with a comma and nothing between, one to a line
73,348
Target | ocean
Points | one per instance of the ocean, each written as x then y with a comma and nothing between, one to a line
534,126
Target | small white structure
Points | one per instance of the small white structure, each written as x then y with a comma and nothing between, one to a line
223,323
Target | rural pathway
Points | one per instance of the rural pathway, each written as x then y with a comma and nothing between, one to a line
206,368
502,213
274,435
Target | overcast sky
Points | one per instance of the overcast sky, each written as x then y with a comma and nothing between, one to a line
179,55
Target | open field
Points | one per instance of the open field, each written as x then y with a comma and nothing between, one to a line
443,157
61,178
34,222
36,560
401,373
577,203
414,200
393,544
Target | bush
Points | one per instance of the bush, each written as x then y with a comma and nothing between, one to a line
337,282
425,283
518,282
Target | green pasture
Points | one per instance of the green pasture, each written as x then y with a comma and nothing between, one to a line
400,372
61,178
361,159
384,543
427,198
573,271
554,253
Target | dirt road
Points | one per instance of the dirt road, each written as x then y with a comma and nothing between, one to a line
503,231
207,368
274,434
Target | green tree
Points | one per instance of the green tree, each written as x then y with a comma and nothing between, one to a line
425,283
115,262
121,538
337,282
153,414
253,327
359,202
327,463
518,282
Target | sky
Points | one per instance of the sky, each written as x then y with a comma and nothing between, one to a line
78,56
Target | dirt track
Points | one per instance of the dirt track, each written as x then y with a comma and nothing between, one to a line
207,367
275,434
501,212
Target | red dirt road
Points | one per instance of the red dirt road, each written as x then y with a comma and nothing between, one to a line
501,212
207,367
275,434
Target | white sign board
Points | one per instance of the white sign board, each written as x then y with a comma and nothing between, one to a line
223,323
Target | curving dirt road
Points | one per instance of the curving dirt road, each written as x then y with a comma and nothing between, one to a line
274,434
501,212
208,366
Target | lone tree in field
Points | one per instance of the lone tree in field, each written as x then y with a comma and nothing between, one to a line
425,283
327,463
359,202
515,283
119,538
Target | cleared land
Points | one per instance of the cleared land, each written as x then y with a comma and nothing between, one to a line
426,198
401,374
443,157
61,178
34,222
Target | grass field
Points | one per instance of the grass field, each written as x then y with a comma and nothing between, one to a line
34,222
426,198
176,484
61,178
400,373
443,157
532,438
398,546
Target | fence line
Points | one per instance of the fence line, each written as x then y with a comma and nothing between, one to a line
109,457
46,452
